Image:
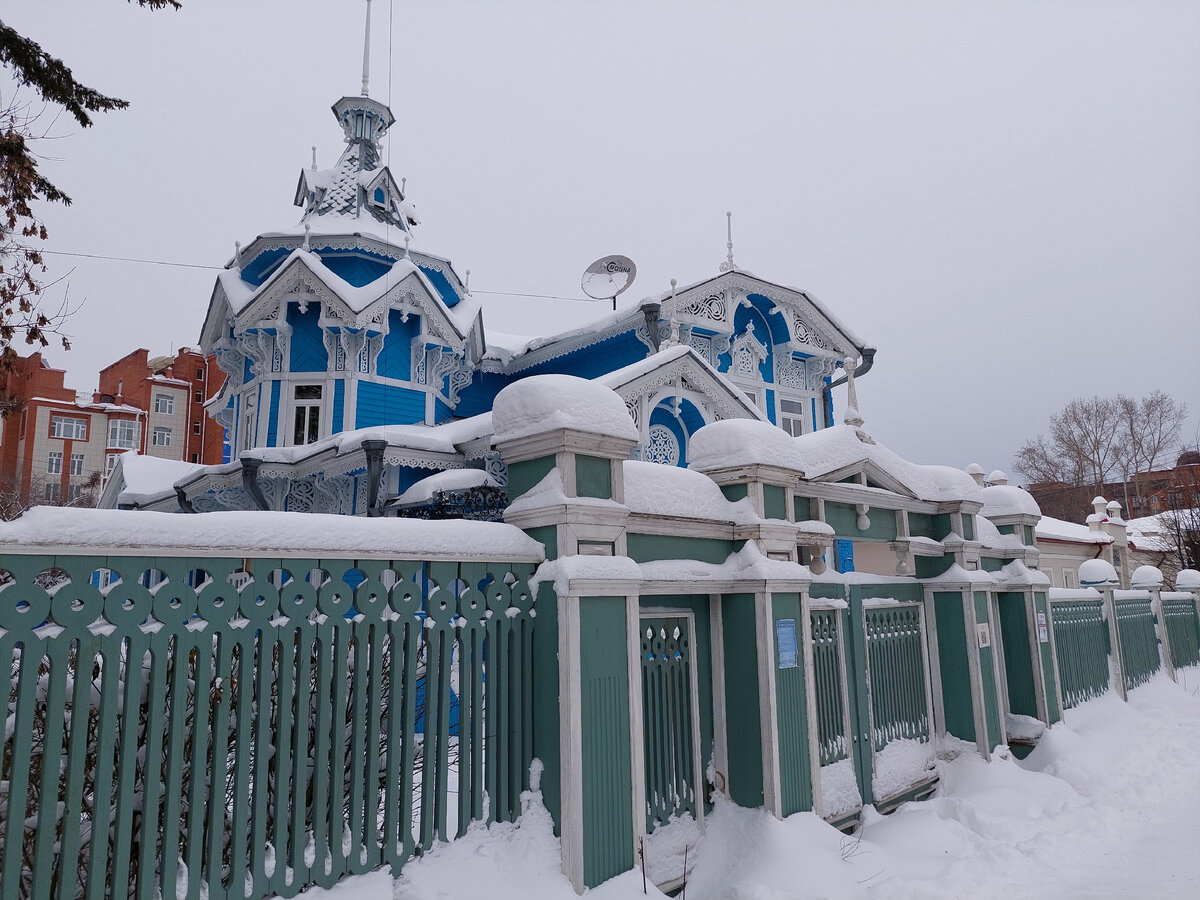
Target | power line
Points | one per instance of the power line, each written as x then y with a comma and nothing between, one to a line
182,265
148,262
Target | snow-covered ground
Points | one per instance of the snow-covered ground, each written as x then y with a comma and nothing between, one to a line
1108,805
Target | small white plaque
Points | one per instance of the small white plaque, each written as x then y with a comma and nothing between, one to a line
984,633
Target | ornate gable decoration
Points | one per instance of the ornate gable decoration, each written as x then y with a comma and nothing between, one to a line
747,353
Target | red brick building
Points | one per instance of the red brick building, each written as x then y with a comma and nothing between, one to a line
57,446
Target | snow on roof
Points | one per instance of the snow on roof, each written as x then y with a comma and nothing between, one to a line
149,478
1153,533
449,480
742,442
671,491
250,533
442,438
1007,500
991,538
1049,528
734,442
545,402
820,450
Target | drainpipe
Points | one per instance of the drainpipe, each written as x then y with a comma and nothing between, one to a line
868,360
374,450
250,482
184,503
651,311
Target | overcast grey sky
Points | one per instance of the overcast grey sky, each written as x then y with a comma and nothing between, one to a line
1003,197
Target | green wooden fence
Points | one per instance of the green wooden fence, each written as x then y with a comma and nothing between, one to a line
1182,628
1139,644
832,741
1081,644
170,735
896,652
667,720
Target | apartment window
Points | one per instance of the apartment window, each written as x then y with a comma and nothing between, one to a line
110,463
791,416
200,374
164,403
161,437
195,428
54,462
199,396
74,492
307,406
52,492
68,427
76,463
123,434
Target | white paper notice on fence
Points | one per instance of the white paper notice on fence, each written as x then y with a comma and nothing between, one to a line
1043,634
785,637
984,633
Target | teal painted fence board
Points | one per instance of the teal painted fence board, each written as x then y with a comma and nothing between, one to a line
742,719
832,738
791,703
169,740
1182,628
1081,643
1139,644
604,712
896,648
670,751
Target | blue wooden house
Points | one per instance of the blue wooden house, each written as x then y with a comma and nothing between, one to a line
360,365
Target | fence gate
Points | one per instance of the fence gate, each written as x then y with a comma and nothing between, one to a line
670,720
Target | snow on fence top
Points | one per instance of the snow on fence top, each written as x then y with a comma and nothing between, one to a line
46,529
546,402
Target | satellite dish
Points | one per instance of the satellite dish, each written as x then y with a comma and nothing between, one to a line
607,277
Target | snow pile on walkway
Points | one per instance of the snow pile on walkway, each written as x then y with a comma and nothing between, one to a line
1108,805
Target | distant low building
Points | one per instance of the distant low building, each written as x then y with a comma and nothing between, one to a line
58,446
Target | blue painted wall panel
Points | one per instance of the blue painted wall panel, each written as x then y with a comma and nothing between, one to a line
442,283
771,407
339,406
382,404
308,347
598,359
272,431
478,397
441,412
395,359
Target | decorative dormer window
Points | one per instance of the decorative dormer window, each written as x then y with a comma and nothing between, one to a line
379,197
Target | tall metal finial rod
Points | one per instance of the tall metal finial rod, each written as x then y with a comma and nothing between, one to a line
367,52
314,149
672,338
729,265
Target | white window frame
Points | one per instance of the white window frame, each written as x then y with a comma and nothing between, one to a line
1068,578
69,428
110,463
160,436
74,492
53,492
54,462
320,404
77,458
115,429
804,417
164,404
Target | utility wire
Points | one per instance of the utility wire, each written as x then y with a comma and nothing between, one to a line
181,265
148,262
